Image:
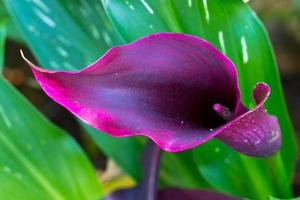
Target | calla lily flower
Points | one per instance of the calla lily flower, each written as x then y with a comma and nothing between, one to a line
177,89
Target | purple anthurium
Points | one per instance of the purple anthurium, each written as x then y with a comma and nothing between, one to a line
176,89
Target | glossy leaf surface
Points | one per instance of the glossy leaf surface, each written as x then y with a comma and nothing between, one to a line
235,29
38,160
12,32
57,28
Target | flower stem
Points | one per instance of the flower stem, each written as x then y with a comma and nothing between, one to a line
146,189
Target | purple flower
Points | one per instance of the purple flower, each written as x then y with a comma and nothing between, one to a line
176,89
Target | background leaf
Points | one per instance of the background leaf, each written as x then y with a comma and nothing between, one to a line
38,160
12,32
70,35
235,29
179,169
55,31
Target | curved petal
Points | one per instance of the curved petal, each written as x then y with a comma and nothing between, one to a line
254,133
163,86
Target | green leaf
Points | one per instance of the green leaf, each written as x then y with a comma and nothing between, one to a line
233,27
54,48
57,33
38,160
244,176
12,32
179,169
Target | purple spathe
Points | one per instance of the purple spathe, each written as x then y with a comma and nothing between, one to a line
165,86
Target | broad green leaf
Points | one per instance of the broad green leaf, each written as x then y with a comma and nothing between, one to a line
71,34
63,34
243,174
12,32
91,18
233,27
38,160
